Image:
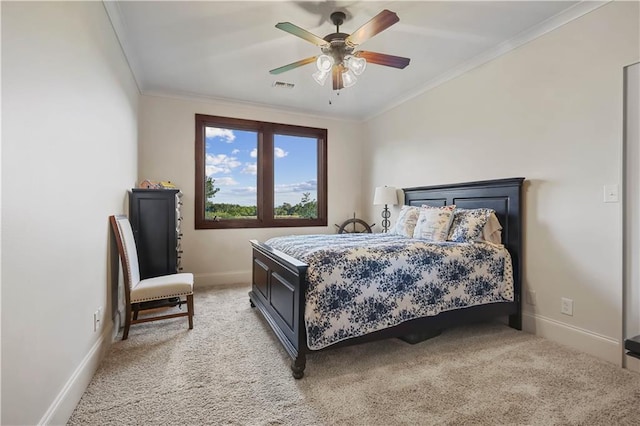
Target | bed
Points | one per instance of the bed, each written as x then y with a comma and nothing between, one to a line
283,286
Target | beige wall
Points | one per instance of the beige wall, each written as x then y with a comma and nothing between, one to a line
550,111
167,152
69,112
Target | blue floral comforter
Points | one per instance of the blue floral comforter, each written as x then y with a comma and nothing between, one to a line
361,283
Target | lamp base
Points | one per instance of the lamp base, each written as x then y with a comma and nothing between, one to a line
386,214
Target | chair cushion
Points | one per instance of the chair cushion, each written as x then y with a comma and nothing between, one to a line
163,287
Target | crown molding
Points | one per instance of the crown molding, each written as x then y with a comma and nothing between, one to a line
112,8
196,97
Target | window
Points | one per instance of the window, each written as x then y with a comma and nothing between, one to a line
252,174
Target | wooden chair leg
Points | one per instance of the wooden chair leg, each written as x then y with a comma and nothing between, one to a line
136,309
127,323
190,310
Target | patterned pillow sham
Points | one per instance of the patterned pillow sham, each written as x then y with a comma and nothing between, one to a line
406,221
468,224
433,223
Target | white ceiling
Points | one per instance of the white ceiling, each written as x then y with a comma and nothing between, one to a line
223,50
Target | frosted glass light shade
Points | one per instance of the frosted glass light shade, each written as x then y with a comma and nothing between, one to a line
348,78
355,64
320,77
324,63
385,195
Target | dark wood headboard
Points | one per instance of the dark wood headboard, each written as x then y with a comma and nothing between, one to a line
502,195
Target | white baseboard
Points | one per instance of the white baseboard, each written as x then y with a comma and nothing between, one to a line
217,279
603,347
66,401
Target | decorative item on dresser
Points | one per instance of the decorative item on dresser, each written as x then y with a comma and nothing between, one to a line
385,195
155,216
283,285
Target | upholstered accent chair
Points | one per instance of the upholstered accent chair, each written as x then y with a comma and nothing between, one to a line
165,291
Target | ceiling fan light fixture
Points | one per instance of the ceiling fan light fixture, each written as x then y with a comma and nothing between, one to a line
348,78
320,77
338,56
355,64
324,63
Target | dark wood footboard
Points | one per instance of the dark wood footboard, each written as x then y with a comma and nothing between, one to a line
277,290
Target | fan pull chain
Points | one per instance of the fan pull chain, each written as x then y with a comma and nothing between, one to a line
337,94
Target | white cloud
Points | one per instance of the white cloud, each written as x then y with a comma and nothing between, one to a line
220,163
308,186
250,169
279,152
225,134
244,190
254,153
224,181
235,151
243,195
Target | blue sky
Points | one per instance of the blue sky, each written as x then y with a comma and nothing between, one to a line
231,159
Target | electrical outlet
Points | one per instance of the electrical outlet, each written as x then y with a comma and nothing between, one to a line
531,297
97,318
566,306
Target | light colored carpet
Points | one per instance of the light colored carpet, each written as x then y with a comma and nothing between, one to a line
230,369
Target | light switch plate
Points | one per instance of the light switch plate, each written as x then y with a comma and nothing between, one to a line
611,194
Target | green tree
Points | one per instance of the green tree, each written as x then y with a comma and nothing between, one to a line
308,208
284,210
210,190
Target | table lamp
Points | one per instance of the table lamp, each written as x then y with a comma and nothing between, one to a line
385,195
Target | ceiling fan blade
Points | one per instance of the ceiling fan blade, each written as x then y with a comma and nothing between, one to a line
302,33
383,59
377,24
293,65
337,77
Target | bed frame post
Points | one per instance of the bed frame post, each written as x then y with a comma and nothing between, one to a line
298,365
278,291
515,320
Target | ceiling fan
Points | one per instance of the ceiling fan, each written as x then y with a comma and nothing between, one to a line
339,57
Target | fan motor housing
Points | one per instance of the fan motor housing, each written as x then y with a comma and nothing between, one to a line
337,48
335,36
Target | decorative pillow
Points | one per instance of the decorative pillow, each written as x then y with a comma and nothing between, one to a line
406,221
492,231
433,223
468,224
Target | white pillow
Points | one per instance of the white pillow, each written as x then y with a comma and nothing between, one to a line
406,221
492,231
433,223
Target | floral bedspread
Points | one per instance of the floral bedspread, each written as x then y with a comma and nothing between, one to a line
361,283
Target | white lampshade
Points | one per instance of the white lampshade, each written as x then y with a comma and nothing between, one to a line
385,195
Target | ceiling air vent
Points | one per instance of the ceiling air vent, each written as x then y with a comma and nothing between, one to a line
283,85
